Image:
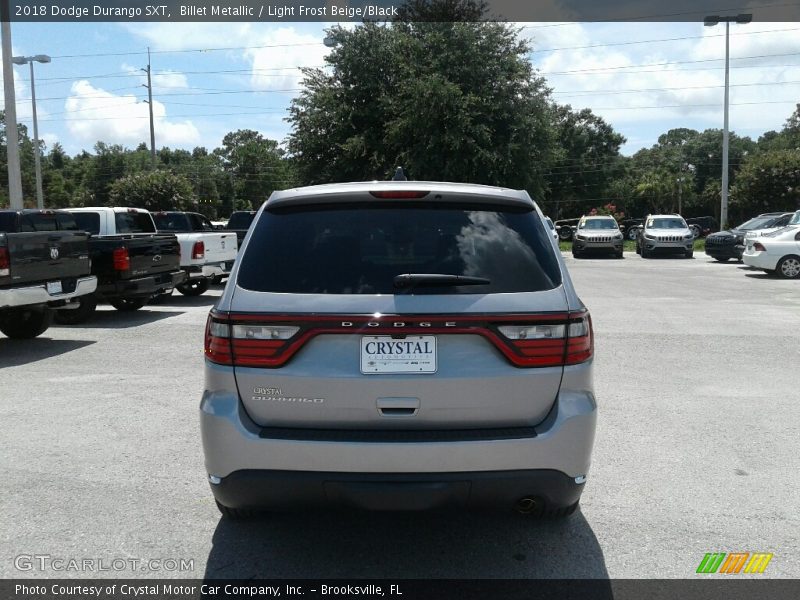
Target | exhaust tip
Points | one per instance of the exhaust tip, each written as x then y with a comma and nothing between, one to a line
527,505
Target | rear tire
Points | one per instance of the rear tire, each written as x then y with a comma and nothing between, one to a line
128,304
722,258
235,514
788,267
74,316
25,324
194,288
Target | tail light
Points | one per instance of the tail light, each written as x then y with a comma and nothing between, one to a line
759,246
540,340
122,260
399,194
198,250
5,263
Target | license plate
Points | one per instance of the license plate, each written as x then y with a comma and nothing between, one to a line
54,287
411,354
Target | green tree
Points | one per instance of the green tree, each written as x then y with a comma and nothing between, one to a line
587,161
447,100
768,181
153,190
256,165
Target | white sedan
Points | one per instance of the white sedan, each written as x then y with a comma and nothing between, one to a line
777,252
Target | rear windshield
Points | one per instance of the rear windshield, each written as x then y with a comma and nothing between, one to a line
134,222
88,221
172,221
360,248
8,222
240,220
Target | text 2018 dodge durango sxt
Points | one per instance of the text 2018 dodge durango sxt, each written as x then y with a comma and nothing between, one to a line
398,345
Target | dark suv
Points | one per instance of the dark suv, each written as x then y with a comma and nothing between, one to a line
725,245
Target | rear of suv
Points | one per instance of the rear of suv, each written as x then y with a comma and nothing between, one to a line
394,346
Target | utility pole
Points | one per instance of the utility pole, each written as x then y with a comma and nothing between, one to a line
12,141
149,101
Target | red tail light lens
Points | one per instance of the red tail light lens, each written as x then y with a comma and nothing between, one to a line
122,260
759,246
5,263
541,340
198,250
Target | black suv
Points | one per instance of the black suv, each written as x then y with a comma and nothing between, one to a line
725,245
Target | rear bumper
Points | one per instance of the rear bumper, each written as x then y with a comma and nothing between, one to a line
38,294
233,443
221,269
143,287
760,260
285,490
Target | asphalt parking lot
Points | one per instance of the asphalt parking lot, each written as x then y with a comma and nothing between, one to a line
697,380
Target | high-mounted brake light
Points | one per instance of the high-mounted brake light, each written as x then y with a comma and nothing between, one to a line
5,263
530,340
198,250
399,194
121,259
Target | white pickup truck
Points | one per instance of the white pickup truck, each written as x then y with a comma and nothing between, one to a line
206,255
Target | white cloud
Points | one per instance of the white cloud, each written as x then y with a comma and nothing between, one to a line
274,67
95,114
607,78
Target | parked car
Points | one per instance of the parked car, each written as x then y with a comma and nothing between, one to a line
44,265
566,228
630,228
702,226
725,245
776,252
206,255
239,222
398,345
665,234
597,234
132,262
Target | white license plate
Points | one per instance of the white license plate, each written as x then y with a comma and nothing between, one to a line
54,287
411,354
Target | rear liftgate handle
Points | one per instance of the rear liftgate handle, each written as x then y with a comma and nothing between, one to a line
398,407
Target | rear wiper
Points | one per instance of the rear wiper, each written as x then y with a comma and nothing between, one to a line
409,280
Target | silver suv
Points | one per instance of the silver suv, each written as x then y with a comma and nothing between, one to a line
667,234
597,234
398,345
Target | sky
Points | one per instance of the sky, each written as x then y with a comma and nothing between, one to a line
212,78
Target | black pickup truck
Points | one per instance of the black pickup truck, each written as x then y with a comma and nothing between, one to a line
131,263
239,223
44,265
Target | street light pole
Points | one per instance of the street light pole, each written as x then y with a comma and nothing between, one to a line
37,151
710,22
37,158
